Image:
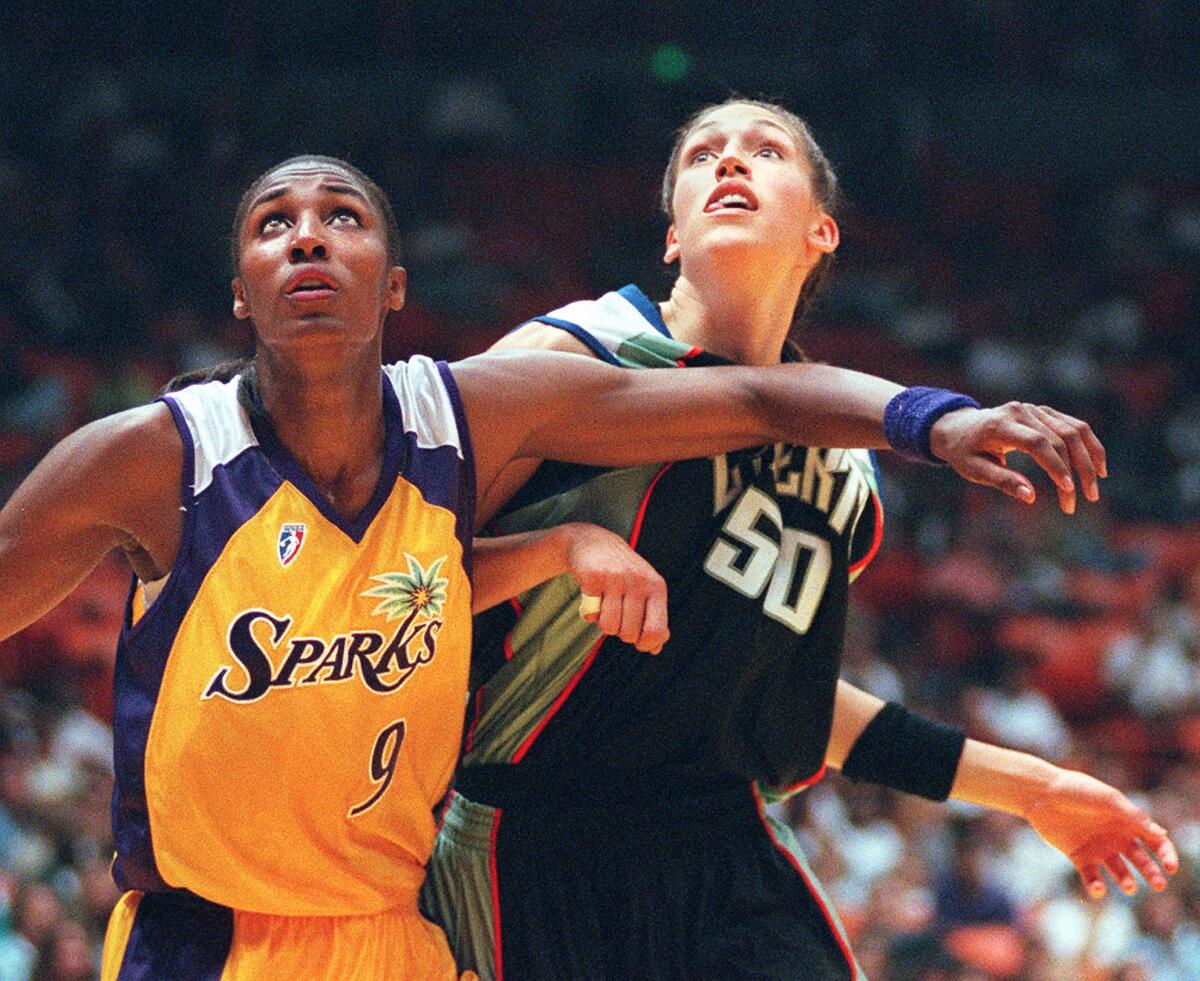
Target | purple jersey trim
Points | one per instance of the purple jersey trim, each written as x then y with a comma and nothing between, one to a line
464,526
177,935
187,485
238,491
188,480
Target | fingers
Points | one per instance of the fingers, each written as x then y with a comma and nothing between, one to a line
654,628
1091,442
644,615
633,612
1063,446
1156,840
611,604
981,469
1081,451
1119,870
1151,853
621,593
1031,436
1164,851
1092,875
631,606
1153,857
1093,881
1059,444
1146,867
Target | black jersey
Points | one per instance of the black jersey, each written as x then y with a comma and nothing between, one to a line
757,547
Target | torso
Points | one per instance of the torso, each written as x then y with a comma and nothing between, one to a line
757,547
285,704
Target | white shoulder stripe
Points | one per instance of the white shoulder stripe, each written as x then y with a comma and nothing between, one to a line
612,319
218,426
425,403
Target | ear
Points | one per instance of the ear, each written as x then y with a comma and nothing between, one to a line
824,235
241,309
397,286
671,249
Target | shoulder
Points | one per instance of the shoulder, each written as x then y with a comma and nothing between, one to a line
141,436
537,336
122,470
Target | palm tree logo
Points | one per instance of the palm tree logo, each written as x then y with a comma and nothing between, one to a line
418,592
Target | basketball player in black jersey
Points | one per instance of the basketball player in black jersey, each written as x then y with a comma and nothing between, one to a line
609,815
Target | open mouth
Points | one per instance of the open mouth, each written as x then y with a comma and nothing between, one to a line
310,284
731,196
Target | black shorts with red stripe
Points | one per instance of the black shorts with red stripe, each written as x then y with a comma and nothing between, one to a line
695,882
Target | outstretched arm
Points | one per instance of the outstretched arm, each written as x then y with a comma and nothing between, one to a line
112,484
1094,825
548,405
629,599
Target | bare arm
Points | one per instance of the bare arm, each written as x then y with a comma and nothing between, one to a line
853,708
529,337
1094,825
632,596
566,407
528,402
112,484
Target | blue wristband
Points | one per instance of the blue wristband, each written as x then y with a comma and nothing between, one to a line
909,417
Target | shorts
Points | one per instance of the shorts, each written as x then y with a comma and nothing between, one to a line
177,936
691,887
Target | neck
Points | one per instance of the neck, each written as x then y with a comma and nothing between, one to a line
330,418
744,318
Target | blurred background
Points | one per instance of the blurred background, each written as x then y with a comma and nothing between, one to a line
1022,220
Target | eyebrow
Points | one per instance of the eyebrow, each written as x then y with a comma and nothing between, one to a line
337,187
761,121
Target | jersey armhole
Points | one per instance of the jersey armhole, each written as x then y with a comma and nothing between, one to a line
465,522
867,533
137,610
857,565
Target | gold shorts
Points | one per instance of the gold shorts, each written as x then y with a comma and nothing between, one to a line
180,937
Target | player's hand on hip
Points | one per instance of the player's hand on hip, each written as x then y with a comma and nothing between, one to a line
1099,829
622,593
975,442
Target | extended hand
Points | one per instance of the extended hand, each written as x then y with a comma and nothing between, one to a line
622,593
974,442
1097,827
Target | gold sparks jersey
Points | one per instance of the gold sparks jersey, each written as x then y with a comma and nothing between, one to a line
288,706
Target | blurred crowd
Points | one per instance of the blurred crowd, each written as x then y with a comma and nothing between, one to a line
1077,638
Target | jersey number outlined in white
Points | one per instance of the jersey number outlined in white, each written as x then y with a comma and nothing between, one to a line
771,563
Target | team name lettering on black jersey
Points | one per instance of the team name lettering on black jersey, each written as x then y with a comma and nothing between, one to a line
826,479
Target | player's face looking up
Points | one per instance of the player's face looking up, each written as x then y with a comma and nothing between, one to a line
747,181
315,257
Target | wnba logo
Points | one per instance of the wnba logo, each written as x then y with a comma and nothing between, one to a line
291,537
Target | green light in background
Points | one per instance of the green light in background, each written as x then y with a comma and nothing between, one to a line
670,63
